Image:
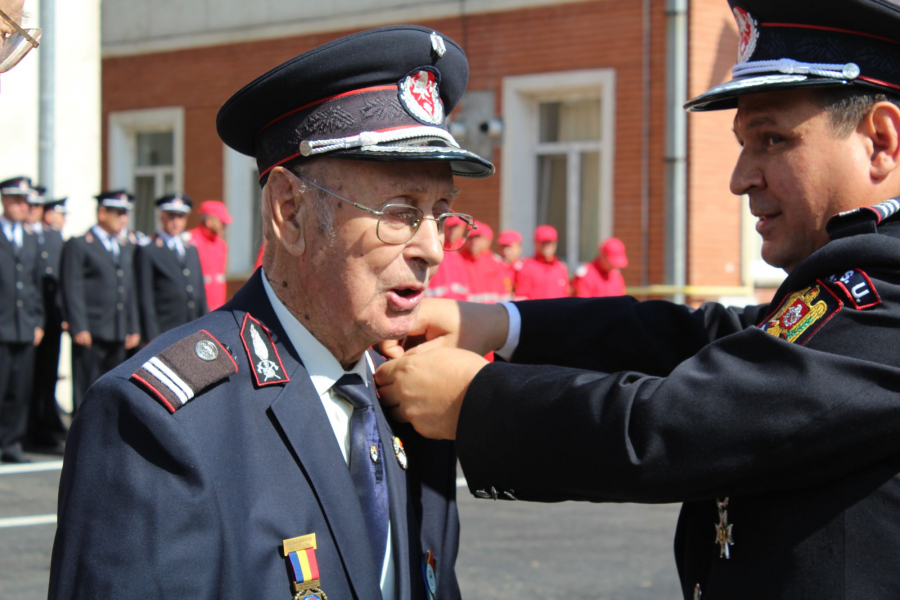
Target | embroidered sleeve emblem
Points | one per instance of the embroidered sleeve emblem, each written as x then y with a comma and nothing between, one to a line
802,314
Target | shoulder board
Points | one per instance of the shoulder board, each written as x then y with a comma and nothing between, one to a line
186,237
27,228
89,237
858,289
862,220
158,241
132,237
262,353
184,369
581,271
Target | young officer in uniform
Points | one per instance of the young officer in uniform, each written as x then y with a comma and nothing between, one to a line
99,296
244,455
778,426
43,417
21,315
167,268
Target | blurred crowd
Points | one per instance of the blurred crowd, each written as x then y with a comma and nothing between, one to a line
477,274
113,289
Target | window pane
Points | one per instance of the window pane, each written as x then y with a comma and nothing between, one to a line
551,199
144,207
570,121
168,184
590,206
155,149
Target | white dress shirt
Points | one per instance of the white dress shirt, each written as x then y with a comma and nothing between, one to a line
324,371
515,331
109,241
174,242
12,231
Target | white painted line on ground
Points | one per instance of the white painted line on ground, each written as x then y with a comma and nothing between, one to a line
37,467
461,482
27,521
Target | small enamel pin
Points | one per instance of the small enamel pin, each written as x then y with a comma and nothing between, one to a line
400,452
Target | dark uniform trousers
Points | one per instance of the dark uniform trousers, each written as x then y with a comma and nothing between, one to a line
790,412
43,417
21,312
99,297
196,503
170,287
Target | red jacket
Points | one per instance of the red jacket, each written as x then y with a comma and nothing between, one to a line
213,252
592,282
450,280
486,277
539,279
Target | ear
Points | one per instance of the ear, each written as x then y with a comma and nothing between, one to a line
285,210
882,126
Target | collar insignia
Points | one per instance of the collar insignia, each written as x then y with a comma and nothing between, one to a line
261,351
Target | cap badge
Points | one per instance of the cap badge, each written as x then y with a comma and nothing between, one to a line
420,97
437,44
747,33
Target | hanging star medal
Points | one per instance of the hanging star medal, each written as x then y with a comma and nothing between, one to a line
723,530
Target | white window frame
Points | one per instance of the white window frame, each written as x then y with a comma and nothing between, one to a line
522,95
238,177
124,126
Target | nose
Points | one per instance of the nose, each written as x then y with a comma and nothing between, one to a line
427,244
746,175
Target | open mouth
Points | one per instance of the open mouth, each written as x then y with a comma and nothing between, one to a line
405,292
405,298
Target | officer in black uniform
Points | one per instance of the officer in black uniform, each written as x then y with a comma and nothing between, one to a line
44,422
21,315
99,297
167,267
244,454
778,426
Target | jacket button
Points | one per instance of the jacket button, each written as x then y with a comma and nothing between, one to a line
44,254
19,285
49,271
120,306
19,303
191,304
120,273
187,272
18,266
190,288
121,289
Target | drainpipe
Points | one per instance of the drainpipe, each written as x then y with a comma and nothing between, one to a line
645,146
676,146
47,94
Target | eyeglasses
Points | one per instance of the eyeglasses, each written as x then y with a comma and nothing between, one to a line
398,223
15,46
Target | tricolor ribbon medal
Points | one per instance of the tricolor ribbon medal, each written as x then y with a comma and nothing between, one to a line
301,552
428,567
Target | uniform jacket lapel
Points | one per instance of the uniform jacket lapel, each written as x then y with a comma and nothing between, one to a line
298,413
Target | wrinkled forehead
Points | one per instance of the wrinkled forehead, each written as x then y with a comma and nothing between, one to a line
412,178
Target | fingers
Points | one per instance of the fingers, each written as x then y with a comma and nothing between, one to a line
391,348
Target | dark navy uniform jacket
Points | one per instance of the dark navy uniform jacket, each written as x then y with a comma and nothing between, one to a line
50,244
171,288
99,289
790,410
21,309
196,503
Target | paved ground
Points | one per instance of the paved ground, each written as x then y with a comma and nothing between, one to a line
508,549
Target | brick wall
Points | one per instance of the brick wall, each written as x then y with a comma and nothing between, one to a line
585,35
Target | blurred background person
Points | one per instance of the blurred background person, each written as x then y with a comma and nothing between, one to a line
602,277
510,244
168,273
15,42
44,423
99,295
21,315
55,214
450,279
544,276
484,271
208,238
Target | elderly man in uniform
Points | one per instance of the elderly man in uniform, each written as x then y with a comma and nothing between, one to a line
43,416
778,426
21,315
168,273
99,296
213,249
245,455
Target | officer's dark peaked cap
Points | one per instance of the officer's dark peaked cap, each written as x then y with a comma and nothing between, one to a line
17,186
115,199
787,44
381,94
177,203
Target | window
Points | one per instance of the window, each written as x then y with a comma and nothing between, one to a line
146,158
559,134
243,196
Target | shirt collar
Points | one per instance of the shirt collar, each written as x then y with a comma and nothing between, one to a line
102,233
323,368
169,239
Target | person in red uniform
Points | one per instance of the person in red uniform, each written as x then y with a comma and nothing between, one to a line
602,277
510,243
484,271
450,279
207,238
543,276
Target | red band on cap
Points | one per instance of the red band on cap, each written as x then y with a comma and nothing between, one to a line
835,29
879,82
376,88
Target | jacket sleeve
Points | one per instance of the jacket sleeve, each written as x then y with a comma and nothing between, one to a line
749,413
136,515
72,283
145,306
621,333
37,296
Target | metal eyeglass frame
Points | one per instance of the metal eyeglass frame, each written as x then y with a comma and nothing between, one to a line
467,219
25,35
